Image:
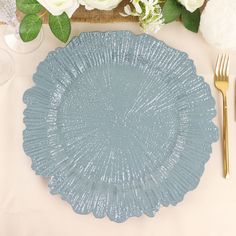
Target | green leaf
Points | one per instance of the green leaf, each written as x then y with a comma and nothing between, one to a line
171,10
191,20
28,6
30,27
60,26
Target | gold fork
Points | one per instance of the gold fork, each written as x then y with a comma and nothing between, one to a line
221,78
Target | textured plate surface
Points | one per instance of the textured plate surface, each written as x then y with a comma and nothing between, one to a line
120,124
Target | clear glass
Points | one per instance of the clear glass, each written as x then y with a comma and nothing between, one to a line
15,43
7,67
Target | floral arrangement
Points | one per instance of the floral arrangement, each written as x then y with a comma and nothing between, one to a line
152,14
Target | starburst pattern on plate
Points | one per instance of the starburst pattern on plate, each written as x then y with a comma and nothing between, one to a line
120,124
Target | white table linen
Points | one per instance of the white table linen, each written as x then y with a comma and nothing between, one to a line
26,206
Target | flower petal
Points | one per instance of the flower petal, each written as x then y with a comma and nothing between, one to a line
137,7
127,10
70,11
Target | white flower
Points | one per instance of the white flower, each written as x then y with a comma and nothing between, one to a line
218,24
153,27
57,7
149,13
192,5
100,4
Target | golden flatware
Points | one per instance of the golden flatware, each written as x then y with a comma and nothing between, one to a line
221,78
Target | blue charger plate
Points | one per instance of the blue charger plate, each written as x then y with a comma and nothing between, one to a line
119,124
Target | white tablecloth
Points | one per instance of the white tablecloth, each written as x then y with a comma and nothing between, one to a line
26,206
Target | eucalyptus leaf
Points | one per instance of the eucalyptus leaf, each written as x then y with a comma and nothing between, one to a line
29,6
171,11
190,20
30,27
60,26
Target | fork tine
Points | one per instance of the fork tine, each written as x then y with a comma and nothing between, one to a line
223,69
221,74
217,66
227,68
228,65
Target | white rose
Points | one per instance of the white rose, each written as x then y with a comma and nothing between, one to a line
100,4
57,7
191,5
218,24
